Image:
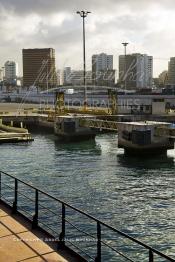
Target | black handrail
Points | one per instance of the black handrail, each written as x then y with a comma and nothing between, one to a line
62,236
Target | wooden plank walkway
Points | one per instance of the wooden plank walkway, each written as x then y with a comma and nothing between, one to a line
19,243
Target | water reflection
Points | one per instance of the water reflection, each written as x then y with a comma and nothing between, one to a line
139,163
88,146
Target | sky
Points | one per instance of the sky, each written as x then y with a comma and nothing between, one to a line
148,26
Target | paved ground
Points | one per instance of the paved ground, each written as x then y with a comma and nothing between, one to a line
18,243
13,107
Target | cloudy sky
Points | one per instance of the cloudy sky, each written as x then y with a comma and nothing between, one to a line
148,26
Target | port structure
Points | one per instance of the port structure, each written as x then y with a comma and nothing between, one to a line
161,130
140,136
144,137
62,109
99,124
10,134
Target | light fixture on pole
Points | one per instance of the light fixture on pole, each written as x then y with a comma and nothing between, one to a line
125,77
84,14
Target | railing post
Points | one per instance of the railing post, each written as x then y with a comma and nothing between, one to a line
35,217
151,256
98,258
15,202
62,234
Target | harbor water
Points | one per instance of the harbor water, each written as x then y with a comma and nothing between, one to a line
135,195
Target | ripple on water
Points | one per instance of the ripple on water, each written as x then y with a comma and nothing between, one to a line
135,195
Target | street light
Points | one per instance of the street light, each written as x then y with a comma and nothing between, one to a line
3,77
125,45
84,14
47,77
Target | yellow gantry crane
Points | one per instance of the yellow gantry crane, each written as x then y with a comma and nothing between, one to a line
61,109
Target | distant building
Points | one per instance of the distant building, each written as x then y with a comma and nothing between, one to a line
102,70
156,83
59,79
104,78
77,77
66,76
39,68
138,71
11,72
102,62
171,71
169,90
163,78
1,74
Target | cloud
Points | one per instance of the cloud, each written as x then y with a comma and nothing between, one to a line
51,6
146,25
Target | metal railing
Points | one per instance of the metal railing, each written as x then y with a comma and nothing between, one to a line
10,193
99,124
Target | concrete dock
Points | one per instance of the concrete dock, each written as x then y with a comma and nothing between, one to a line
19,243
145,138
10,134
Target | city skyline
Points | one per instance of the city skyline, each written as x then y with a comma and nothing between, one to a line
55,24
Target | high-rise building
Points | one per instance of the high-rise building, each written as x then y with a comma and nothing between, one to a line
1,74
102,70
66,76
77,77
136,70
171,71
163,78
39,68
11,72
102,62
59,77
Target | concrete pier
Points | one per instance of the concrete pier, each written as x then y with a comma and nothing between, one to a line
140,138
68,128
10,134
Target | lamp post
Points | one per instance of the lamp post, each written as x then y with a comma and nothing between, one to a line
84,14
125,45
3,77
47,77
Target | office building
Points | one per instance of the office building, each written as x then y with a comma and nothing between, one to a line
39,68
1,74
163,78
102,70
59,79
77,77
171,71
136,70
67,76
11,72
